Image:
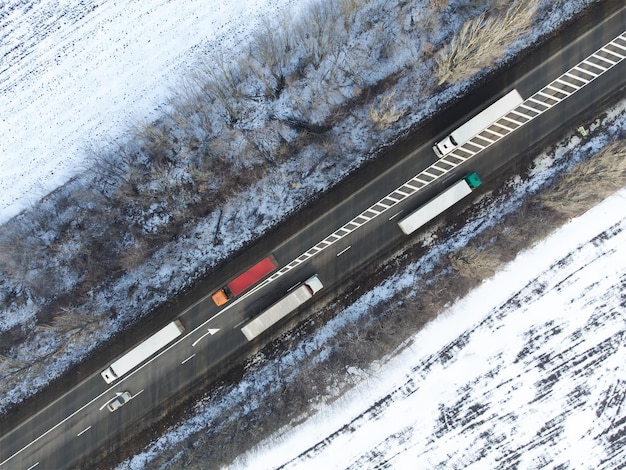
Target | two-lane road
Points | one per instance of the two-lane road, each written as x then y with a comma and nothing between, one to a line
78,424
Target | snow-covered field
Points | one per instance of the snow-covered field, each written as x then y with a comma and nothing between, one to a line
75,74
528,371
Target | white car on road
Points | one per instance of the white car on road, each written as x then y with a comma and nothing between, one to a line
120,400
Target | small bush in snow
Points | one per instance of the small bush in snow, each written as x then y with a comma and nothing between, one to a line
385,114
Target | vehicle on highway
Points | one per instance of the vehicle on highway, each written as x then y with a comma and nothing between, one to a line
440,203
582,131
120,400
296,297
140,353
478,123
245,280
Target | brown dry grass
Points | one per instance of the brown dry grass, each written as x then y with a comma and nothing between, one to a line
589,182
481,41
472,263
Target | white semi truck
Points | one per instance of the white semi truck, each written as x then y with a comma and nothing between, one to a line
143,351
282,308
438,204
478,123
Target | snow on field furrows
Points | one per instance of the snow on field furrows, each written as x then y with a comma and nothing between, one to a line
75,73
528,371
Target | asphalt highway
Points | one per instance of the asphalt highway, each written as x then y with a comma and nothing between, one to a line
77,425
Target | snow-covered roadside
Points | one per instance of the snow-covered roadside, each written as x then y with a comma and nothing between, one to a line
536,377
75,75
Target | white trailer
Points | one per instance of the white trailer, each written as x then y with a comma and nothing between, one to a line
440,203
140,353
478,123
282,308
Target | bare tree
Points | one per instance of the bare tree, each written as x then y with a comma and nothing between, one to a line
218,80
577,189
319,32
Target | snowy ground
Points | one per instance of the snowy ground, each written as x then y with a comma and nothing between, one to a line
76,74
526,372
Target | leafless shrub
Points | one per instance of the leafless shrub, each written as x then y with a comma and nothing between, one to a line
386,113
499,5
134,256
156,142
218,81
10,366
112,167
351,7
319,34
14,371
579,188
16,251
270,53
481,41
427,49
192,112
26,258
75,321
530,223
474,264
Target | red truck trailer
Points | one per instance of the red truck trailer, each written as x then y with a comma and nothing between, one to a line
245,280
